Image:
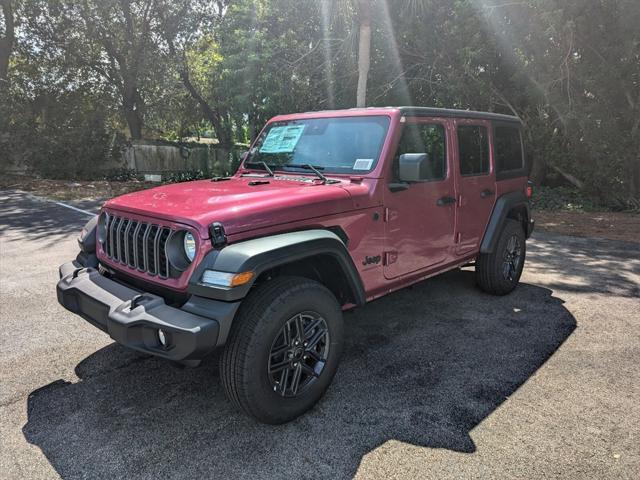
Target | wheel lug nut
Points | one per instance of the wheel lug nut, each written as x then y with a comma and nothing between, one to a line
295,364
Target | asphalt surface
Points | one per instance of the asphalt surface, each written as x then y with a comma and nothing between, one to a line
437,381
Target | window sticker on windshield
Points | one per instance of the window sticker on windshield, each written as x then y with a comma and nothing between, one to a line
363,164
282,139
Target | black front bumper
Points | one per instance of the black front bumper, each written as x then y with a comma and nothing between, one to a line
133,318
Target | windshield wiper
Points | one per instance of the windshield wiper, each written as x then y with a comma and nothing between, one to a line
262,164
307,166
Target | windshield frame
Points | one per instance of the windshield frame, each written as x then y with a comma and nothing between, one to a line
277,121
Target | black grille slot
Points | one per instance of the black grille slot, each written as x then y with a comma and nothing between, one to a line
131,243
154,230
138,245
140,264
163,265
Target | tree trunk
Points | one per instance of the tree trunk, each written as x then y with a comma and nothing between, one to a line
364,51
134,122
6,42
538,168
635,177
579,184
212,115
132,106
634,160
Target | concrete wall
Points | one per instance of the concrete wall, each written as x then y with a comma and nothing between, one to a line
164,159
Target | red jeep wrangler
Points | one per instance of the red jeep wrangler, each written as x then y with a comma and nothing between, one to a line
329,210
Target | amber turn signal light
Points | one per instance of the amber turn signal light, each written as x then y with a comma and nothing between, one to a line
241,278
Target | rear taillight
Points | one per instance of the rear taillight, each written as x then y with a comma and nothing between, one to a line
529,189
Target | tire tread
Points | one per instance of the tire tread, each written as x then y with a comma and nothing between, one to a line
259,304
488,275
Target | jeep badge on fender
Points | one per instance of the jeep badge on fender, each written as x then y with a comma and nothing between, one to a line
371,260
263,263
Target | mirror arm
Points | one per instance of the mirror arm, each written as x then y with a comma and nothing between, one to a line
398,186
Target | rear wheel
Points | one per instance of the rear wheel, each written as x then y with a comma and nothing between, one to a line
283,350
499,272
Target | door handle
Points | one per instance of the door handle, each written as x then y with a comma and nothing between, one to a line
398,187
486,193
445,201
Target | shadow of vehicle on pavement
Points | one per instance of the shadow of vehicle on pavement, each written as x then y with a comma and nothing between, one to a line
24,214
424,366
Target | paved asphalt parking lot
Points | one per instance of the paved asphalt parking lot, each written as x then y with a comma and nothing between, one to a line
437,381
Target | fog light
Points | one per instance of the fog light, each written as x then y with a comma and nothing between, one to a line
162,338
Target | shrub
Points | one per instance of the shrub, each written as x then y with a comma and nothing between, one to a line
123,175
186,176
561,198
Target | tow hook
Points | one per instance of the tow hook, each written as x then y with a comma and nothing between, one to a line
137,301
76,272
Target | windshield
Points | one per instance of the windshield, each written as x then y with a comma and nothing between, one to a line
334,145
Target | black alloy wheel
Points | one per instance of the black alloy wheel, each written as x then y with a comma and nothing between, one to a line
283,349
499,271
298,354
512,256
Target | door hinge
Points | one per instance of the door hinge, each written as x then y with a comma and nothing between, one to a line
218,237
390,257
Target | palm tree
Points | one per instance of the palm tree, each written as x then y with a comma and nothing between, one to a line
364,50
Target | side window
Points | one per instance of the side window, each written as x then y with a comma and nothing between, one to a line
508,148
426,138
473,146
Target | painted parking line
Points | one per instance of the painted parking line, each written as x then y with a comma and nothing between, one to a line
86,212
62,204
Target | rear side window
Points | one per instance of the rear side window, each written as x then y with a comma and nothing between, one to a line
508,148
473,146
426,138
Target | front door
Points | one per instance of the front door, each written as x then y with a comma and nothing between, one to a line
419,227
476,183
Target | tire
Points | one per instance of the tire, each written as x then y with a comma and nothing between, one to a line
499,272
261,359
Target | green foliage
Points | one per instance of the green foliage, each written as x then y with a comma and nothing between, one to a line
562,198
81,73
123,174
186,176
59,137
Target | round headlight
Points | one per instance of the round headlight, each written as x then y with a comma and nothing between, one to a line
189,246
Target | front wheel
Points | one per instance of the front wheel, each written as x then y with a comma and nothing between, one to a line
283,350
499,272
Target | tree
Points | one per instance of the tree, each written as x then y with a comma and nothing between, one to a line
185,27
114,39
569,68
7,39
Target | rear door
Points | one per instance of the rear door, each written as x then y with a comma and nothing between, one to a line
476,183
419,224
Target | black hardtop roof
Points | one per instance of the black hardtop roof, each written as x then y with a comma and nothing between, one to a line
418,112
450,112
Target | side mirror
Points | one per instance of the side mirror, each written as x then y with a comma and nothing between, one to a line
413,167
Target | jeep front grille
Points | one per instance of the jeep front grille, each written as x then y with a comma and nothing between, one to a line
139,245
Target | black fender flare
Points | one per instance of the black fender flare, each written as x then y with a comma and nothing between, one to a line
501,209
261,254
87,238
